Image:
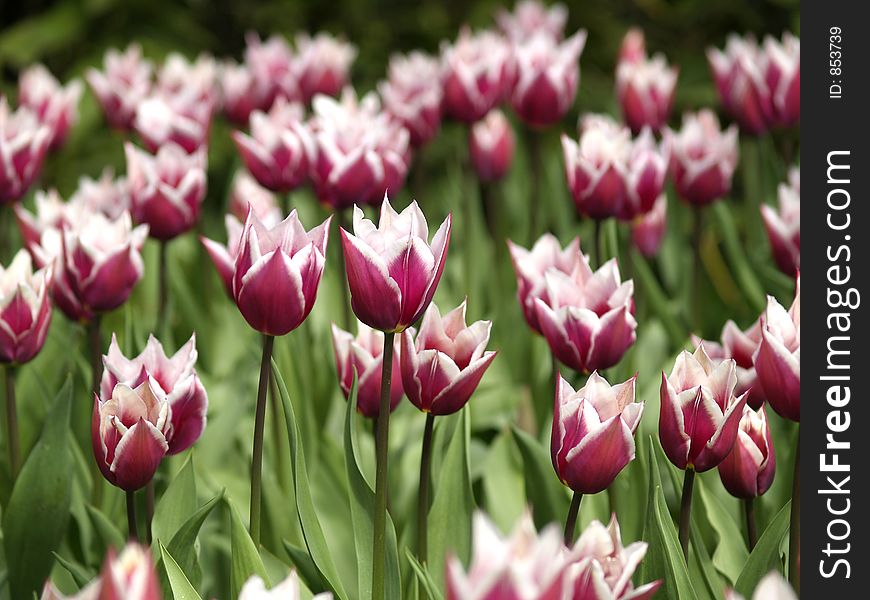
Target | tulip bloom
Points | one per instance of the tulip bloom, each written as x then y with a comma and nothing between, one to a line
747,472
491,146
644,87
443,367
700,413
55,105
23,144
740,81
547,76
240,94
175,378
108,195
741,346
223,256
280,150
703,157
592,436
363,355
130,432
784,226
323,64
277,272
273,66
124,84
648,230
771,587
531,17
25,310
783,77
131,576
587,317
190,82
180,120
393,269
244,192
778,358
289,589
412,95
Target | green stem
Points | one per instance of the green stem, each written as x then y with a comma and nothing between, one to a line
95,344
597,253
751,530
698,270
131,517
423,496
95,341
12,439
686,511
381,492
149,508
533,143
162,290
794,537
259,424
571,520
341,217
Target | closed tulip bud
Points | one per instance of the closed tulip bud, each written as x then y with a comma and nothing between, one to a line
223,256
491,146
162,120
245,191
175,378
740,81
547,75
778,358
130,432
587,317
280,150
748,470
323,64
240,93
443,367
740,346
25,310
277,272
23,144
55,105
784,225
703,158
771,587
412,95
783,76
645,89
122,86
478,70
531,17
530,266
274,69
645,176
700,413
593,428
393,269
166,189
362,355
648,230
289,589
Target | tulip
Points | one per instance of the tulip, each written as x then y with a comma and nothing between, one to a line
703,157
412,95
740,81
361,356
478,70
289,589
23,144
175,378
273,66
223,256
90,592
633,47
240,92
592,435
740,346
531,17
131,576
491,146
55,105
25,310
547,78
392,269
771,587
644,87
125,83
323,63
166,189
51,211
747,472
648,230
245,191
587,317
162,119
280,150
778,358
190,82
784,226
783,77
107,195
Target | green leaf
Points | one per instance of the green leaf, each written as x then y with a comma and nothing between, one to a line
731,552
183,543
176,504
311,529
36,518
548,497
308,571
766,555
245,560
453,504
423,577
107,531
81,575
181,587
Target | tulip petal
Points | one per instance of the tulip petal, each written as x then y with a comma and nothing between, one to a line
456,394
375,296
138,455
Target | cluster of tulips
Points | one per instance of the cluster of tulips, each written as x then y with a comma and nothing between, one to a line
305,125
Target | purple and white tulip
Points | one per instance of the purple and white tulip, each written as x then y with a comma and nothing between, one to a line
778,358
748,470
25,309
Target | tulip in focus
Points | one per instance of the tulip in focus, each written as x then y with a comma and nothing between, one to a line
362,355
123,86
531,17
444,365
223,256
289,589
778,358
25,309
784,226
648,230
703,157
412,95
393,269
131,576
245,191
592,435
644,86
771,587
323,64
491,146
55,105
23,144
700,414
748,470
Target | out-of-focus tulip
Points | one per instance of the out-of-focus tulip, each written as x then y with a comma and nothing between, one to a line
586,316
443,367
244,192
593,428
124,84
240,92
748,470
491,146
108,194
633,47
412,94
224,255
740,346
362,153
392,268
166,189
323,64
51,211
280,150
90,592
740,81
289,589
363,354
784,226
644,86
547,74
771,587
700,413
648,230
478,71
783,76
55,105
175,378
162,120
130,432
703,157
190,82
531,17
277,272
25,310
530,266
23,144
274,68
778,358
131,576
